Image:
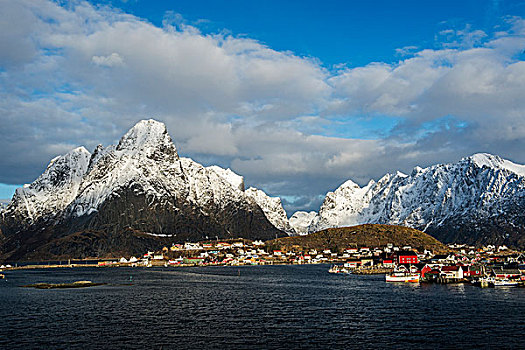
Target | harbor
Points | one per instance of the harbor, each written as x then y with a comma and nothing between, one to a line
483,267
489,266
308,306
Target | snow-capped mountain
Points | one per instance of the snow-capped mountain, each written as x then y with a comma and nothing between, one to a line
123,197
141,184
477,200
272,208
52,191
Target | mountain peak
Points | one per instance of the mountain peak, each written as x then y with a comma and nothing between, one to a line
485,159
71,165
495,162
477,200
350,184
80,149
149,137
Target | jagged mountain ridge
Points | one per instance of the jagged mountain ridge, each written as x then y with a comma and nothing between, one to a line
480,199
139,185
142,187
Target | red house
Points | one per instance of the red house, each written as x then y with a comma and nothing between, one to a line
471,271
426,269
455,271
407,257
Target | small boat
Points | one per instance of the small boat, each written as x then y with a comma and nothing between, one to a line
403,277
486,282
338,269
505,283
2,276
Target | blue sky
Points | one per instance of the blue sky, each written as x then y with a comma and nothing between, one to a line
7,191
336,32
297,96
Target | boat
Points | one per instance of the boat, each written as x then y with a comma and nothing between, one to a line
505,283
485,282
338,269
403,277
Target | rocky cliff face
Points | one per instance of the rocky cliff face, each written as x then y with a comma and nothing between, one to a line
480,199
50,194
140,194
140,186
272,208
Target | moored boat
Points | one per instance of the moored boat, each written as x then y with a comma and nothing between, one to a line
486,282
403,277
505,283
338,269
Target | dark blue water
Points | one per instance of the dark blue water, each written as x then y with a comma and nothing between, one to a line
266,307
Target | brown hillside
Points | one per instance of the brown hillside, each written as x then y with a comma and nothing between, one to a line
338,239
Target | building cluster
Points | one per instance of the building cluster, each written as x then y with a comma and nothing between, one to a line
235,252
460,264
496,265
454,267
490,264
246,252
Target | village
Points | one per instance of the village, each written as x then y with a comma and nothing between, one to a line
486,266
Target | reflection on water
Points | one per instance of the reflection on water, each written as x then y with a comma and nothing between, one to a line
252,307
457,288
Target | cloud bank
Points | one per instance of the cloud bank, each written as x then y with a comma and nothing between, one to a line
82,75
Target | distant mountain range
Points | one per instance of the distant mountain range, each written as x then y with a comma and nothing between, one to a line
479,200
139,194
130,197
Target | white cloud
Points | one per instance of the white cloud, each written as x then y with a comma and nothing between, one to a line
480,85
462,38
108,61
80,75
407,50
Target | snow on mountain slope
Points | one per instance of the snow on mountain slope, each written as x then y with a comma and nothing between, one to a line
147,159
492,161
476,188
207,185
142,182
145,156
235,180
53,191
272,208
301,221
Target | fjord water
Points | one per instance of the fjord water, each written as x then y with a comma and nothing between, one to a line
252,307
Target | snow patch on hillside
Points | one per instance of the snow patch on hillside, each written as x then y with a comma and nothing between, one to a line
232,178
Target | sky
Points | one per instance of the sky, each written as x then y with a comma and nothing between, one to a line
296,96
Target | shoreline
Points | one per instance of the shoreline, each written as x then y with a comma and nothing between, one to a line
117,265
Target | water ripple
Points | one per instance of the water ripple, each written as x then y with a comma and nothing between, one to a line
271,307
